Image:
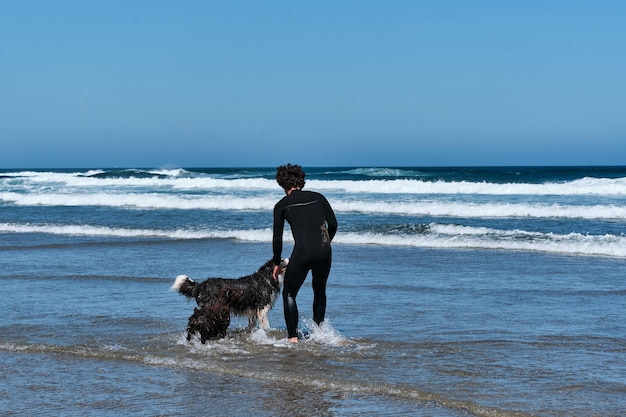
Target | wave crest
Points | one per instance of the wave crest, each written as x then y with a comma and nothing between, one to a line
435,235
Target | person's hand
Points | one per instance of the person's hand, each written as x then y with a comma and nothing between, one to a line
277,271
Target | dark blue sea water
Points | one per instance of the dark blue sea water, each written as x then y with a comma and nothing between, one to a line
454,292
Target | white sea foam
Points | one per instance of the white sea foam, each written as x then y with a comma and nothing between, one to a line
584,186
231,203
459,237
484,210
142,201
255,235
181,180
437,236
170,179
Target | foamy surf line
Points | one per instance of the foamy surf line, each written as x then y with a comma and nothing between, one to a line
141,201
261,235
406,393
460,237
417,207
435,236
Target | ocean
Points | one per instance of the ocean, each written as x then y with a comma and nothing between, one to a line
454,292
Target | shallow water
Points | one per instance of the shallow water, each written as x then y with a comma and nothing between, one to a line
426,332
427,316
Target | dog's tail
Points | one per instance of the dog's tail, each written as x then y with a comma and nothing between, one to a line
184,285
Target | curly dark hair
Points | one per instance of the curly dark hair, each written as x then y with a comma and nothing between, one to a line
290,176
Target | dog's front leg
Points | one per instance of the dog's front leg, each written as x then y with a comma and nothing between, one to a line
252,320
264,322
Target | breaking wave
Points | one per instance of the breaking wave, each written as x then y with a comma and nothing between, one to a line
180,179
435,235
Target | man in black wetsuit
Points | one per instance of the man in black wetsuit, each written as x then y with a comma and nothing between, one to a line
313,225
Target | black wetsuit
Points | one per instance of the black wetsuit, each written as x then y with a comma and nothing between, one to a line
313,225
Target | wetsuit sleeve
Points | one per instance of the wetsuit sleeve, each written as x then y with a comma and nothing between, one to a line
277,239
330,218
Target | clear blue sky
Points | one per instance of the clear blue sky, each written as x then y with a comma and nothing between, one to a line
321,83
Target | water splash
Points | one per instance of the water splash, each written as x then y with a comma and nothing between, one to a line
324,334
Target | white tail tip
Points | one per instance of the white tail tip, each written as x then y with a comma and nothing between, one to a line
179,282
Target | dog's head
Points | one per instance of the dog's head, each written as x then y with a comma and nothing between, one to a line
268,269
283,264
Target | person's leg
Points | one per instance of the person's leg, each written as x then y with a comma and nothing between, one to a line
294,277
320,274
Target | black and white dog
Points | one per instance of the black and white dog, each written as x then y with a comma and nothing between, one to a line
260,291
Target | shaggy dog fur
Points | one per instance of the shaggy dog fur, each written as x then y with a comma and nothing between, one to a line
211,321
260,291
